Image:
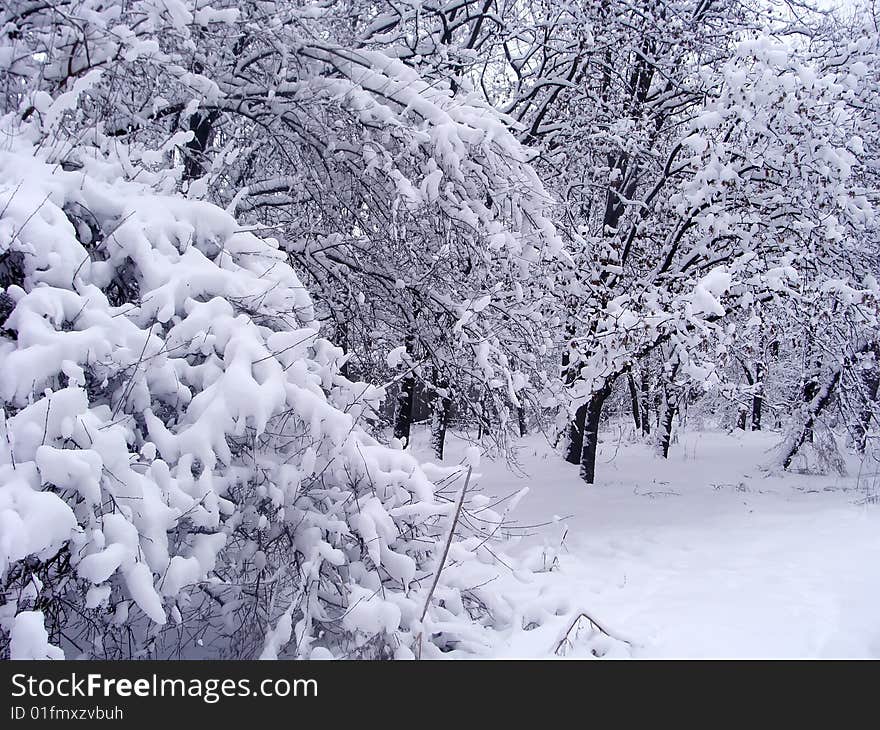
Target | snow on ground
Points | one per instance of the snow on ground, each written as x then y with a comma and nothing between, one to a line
703,555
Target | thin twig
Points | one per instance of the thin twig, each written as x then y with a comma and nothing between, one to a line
467,481
595,624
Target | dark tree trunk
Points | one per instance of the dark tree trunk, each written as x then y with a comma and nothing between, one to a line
758,397
871,382
860,431
441,407
658,406
811,389
404,414
590,437
575,431
521,421
194,163
575,445
756,386
666,427
646,406
342,341
634,399
484,417
821,398
671,397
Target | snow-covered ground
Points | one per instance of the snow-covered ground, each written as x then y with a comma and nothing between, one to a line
703,555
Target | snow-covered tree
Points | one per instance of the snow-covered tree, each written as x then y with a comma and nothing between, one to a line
184,465
706,157
410,211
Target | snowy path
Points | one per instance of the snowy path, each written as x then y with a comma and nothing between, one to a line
701,556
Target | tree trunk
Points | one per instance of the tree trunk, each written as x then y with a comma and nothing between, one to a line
404,414
521,421
590,434
484,417
634,399
441,407
671,397
758,397
575,432
811,389
871,381
201,125
743,411
575,446
821,398
658,406
666,427
646,406
342,341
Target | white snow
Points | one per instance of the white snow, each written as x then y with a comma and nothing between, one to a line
29,639
703,555
707,291
178,440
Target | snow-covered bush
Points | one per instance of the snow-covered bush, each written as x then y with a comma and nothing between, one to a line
181,468
410,210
